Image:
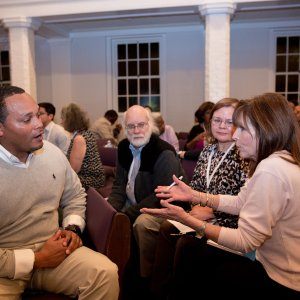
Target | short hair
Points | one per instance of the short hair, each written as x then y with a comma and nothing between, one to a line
152,127
274,123
203,108
111,115
74,118
5,92
49,108
225,102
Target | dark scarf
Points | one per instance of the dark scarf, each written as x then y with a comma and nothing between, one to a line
149,154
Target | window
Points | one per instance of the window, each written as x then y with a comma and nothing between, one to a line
138,74
4,68
288,67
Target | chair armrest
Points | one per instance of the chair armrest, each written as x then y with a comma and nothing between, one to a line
119,242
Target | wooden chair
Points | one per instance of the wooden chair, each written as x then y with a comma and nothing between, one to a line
182,143
108,158
188,167
182,135
107,231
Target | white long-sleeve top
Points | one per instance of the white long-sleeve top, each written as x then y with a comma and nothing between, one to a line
269,210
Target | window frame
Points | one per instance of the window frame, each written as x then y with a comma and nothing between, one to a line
285,33
112,57
4,47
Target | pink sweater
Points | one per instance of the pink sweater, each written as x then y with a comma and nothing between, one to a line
269,209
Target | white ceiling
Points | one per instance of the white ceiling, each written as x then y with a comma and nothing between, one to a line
65,25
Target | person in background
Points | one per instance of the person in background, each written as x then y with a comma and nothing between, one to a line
268,206
107,127
83,152
144,161
53,132
196,135
36,179
166,132
219,170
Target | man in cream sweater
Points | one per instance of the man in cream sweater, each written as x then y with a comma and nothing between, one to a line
35,180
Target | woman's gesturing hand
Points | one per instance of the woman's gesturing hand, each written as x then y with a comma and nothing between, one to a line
180,191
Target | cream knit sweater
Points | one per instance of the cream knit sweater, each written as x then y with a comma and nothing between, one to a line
29,201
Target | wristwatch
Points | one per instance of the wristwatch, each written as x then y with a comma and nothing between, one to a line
74,228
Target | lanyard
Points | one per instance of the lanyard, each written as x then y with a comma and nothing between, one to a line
210,177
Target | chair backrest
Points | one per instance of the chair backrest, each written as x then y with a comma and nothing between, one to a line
108,230
189,167
101,142
99,217
182,143
108,156
182,135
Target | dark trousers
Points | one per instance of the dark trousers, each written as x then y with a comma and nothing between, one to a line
199,266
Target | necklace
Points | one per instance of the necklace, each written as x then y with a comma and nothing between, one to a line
210,177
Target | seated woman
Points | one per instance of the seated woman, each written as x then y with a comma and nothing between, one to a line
166,132
83,151
196,135
268,207
219,170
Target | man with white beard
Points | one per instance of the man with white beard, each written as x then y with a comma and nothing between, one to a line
144,162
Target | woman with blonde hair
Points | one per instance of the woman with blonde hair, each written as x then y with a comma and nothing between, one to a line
83,153
268,207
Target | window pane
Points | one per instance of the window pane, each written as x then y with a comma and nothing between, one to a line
154,50
155,103
132,86
281,63
154,67
122,105
143,50
121,51
144,67
281,45
132,101
122,90
293,63
122,68
294,44
132,51
144,101
280,83
4,58
144,86
132,68
5,74
292,83
155,86
293,98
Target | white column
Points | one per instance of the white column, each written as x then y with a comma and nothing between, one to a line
217,49
22,52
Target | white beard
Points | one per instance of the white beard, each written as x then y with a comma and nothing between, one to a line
139,140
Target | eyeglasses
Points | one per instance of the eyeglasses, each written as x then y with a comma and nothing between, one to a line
218,122
132,127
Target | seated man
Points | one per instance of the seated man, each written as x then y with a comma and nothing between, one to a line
144,162
36,179
107,127
53,132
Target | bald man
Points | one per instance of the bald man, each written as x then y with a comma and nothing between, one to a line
144,162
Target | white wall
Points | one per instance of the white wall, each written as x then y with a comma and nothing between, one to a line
251,58
43,70
78,69
88,59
